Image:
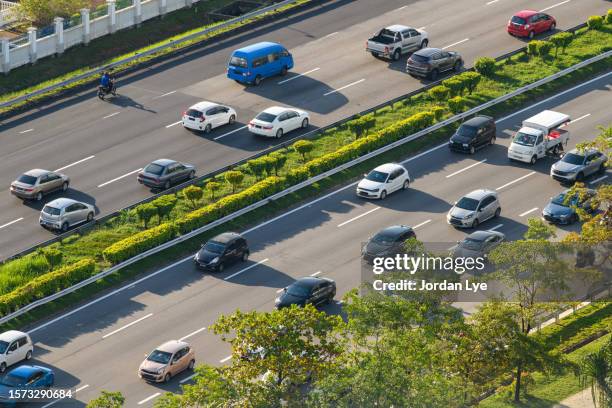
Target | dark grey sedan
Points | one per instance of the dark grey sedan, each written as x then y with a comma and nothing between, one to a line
163,173
562,208
478,244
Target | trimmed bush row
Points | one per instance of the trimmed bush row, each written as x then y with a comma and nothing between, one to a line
46,285
138,243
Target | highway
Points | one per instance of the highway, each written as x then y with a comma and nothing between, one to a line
99,345
101,145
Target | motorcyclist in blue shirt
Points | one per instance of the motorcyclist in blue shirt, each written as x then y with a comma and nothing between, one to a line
106,81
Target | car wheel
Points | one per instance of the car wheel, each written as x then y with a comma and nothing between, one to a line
65,227
533,160
458,66
39,196
2,367
497,212
433,75
191,365
65,186
232,119
305,123
279,133
257,80
283,70
245,256
167,185
237,81
492,141
383,195
208,128
221,267
552,27
424,43
167,377
602,169
472,150
191,175
28,355
475,223
531,35
397,54
90,217
580,176
406,184
556,150
329,299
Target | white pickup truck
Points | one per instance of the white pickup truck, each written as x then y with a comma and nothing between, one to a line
540,135
395,40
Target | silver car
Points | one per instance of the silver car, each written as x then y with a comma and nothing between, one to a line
63,213
474,208
33,184
576,165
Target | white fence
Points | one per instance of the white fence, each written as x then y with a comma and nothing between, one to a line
141,10
6,12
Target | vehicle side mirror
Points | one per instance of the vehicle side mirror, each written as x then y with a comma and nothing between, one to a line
284,289
365,174
480,209
561,155
146,355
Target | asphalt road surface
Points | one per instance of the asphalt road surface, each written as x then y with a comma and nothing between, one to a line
101,145
101,344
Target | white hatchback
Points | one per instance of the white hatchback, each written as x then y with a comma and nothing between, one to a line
383,180
276,121
208,115
15,346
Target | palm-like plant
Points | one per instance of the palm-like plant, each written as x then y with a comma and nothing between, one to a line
596,372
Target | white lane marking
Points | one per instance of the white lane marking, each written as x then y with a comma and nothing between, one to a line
119,178
491,2
359,216
58,400
516,181
466,168
401,8
298,75
580,118
456,43
280,290
597,180
331,34
528,212
173,124
229,133
127,325
554,5
421,28
149,398
162,95
192,334
111,115
316,273
498,226
11,222
226,359
26,131
344,87
75,163
421,224
184,380
246,269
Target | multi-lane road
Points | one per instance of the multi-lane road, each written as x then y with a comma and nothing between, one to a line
100,344
100,145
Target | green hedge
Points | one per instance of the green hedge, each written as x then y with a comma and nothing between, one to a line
46,285
139,243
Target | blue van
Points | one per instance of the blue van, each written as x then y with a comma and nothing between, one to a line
250,65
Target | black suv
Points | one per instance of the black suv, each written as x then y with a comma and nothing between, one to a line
307,290
387,242
222,250
430,62
473,135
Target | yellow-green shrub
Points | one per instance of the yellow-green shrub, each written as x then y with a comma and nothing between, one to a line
139,243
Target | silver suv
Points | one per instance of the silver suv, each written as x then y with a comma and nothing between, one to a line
63,213
430,62
474,208
576,165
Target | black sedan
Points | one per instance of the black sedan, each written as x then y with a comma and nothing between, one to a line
387,242
562,208
307,290
222,250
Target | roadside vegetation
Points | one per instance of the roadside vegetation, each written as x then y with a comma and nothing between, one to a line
151,224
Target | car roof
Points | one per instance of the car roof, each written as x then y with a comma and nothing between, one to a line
26,371
254,48
276,110
478,121
226,237
204,105
388,167
36,172
11,335
526,13
480,194
397,27
163,162
483,234
395,230
427,52
62,202
172,346
584,152
309,281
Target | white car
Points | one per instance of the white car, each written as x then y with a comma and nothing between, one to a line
277,120
63,213
15,346
383,180
208,115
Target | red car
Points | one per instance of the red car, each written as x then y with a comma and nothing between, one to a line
528,23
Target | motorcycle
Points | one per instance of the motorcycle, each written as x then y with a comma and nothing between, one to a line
103,92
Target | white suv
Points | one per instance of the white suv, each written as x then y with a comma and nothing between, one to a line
383,180
15,346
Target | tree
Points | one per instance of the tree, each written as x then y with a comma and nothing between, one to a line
256,166
213,186
538,229
438,93
485,66
193,193
234,178
603,142
303,147
362,125
544,48
438,112
145,212
595,22
107,399
455,85
596,373
456,104
268,164
52,255
279,161
164,205
42,12
471,80
561,40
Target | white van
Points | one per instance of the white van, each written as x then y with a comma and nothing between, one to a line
15,346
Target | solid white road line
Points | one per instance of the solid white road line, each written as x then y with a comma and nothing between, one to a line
184,380
75,163
516,181
229,133
226,359
554,5
26,131
299,75
316,273
11,222
149,398
119,178
456,43
580,118
162,95
192,334
528,212
498,226
111,115
466,168
597,180
359,216
173,124
344,87
246,269
58,400
421,224
491,2
401,8
127,325
330,34
421,28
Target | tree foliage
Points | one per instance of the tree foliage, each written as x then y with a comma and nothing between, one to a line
303,147
193,193
234,178
145,212
107,399
42,12
212,187
596,373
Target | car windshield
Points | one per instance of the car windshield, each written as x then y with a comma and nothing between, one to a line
11,380
419,58
466,131
194,113
377,176
518,20
524,139
471,243
161,357
214,247
266,117
154,169
384,238
561,200
24,178
51,210
3,346
298,290
467,204
572,158
238,62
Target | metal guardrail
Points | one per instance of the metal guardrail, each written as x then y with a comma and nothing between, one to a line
301,185
309,135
